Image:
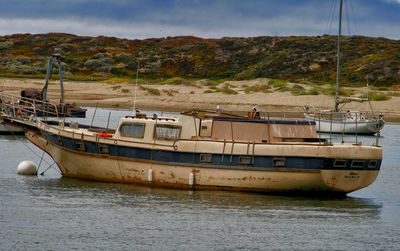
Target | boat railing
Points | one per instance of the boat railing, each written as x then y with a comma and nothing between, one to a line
355,119
23,109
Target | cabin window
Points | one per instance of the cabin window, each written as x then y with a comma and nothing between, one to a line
244,160
167,132
102,148
205,157
358,163
132,130
339,163
372,163
80,146
278,162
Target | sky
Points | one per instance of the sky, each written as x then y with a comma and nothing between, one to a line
139,19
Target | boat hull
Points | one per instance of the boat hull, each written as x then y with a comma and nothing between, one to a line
103,167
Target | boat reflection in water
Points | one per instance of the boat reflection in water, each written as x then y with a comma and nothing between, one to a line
210,150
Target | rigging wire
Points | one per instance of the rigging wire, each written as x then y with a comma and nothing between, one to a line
349,17
346,10
331,16
355,18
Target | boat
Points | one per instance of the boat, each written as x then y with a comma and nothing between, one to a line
349,121
203,149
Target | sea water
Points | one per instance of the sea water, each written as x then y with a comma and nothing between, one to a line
51,212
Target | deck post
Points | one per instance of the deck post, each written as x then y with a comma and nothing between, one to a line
330,130
356,128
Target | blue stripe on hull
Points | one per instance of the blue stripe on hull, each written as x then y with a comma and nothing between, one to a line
217,160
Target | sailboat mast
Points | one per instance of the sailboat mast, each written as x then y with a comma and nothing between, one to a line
338,58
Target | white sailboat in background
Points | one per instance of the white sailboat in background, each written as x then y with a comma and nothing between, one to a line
349,121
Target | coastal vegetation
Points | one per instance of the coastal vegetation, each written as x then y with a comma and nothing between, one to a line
300,65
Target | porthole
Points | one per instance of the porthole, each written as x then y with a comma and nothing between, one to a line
80,146
340,163
102,148
357,163
372,163
244,160
278,162
205,157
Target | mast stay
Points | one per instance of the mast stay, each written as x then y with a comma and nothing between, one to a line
338,58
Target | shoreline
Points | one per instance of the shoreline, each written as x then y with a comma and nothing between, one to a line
179,98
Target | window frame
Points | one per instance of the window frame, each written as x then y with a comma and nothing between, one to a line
103,148
335,164
205,157
357,166
276,160
372,161
166,125
133,123
245,160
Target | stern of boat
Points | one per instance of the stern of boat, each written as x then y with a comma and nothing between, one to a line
348,180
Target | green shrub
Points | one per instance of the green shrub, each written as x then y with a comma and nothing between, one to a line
117,71
151,91
313,91
331,91
283,89
306,82
394,94
228,91
173,81
378,96
277,83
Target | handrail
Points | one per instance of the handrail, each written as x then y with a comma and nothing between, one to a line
17,107
355,118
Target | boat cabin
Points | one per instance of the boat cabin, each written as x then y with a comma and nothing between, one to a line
216,127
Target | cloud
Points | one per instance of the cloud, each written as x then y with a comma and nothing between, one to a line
393,1
205,18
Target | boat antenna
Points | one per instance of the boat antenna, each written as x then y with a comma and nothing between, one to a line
338,58
137,75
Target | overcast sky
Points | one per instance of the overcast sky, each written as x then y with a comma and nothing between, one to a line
202,18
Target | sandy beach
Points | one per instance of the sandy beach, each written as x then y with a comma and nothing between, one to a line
179,98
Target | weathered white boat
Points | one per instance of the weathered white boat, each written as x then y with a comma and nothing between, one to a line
210,150
353,122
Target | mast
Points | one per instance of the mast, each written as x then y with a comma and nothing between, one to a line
338,58
137,75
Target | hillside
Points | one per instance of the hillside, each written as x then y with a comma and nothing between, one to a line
298,59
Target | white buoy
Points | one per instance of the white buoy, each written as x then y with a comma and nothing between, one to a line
27,167
150,178
191,179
